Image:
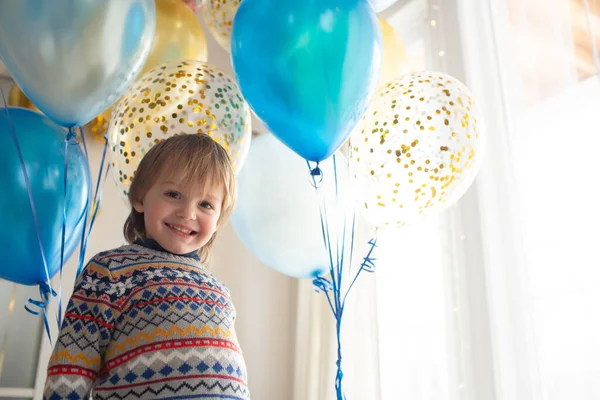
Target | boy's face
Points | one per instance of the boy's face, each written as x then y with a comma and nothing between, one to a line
181,219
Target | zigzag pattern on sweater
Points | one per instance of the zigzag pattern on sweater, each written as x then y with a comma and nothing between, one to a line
146,277
76,358
147,324
139,322
162,366
68,383
181,352
143,338
201,390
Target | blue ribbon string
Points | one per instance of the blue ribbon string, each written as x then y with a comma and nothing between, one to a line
86,213
314,173
85,150
96,203
368,264
353,210
45,293
70,136
333,287
322,284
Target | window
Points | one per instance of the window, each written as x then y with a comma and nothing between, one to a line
504,308
555,152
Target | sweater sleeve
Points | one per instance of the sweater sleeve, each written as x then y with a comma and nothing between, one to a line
88,323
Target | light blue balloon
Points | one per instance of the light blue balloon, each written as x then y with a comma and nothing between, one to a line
42,144
74,58
277,215
307,68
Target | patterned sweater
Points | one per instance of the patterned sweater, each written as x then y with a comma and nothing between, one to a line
148,324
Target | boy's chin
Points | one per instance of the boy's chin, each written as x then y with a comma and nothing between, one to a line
179,249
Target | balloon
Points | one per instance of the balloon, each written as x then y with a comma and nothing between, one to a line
187,97
73,59
97,126
43,147
277,215
218,15
307,68
394,54
380,5
179,36
417,149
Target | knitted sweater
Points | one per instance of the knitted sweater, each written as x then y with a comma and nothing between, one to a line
147,324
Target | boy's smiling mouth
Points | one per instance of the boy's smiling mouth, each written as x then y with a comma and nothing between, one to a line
182,230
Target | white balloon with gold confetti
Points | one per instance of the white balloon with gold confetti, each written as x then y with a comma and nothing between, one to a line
218,15
417,149
184,97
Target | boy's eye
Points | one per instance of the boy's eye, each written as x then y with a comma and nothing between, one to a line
206,204
173,195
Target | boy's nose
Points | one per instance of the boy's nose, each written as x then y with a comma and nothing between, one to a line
187,211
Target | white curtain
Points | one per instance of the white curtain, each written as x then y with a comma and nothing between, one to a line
532,65
495,299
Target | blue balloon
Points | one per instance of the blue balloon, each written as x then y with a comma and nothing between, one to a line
307,68
42,144
73,58
277,215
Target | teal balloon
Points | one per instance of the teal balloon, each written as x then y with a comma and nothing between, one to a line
307,68
42,144
74,58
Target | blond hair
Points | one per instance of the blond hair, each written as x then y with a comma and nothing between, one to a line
189,160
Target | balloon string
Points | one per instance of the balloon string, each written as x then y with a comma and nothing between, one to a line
70,136
368,264
69,141
45,293
100,184
333,287
353,210
86,211
314,173
339,258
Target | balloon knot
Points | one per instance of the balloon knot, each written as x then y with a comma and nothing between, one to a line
71,135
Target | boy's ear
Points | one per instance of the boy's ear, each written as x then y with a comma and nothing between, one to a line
138,206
